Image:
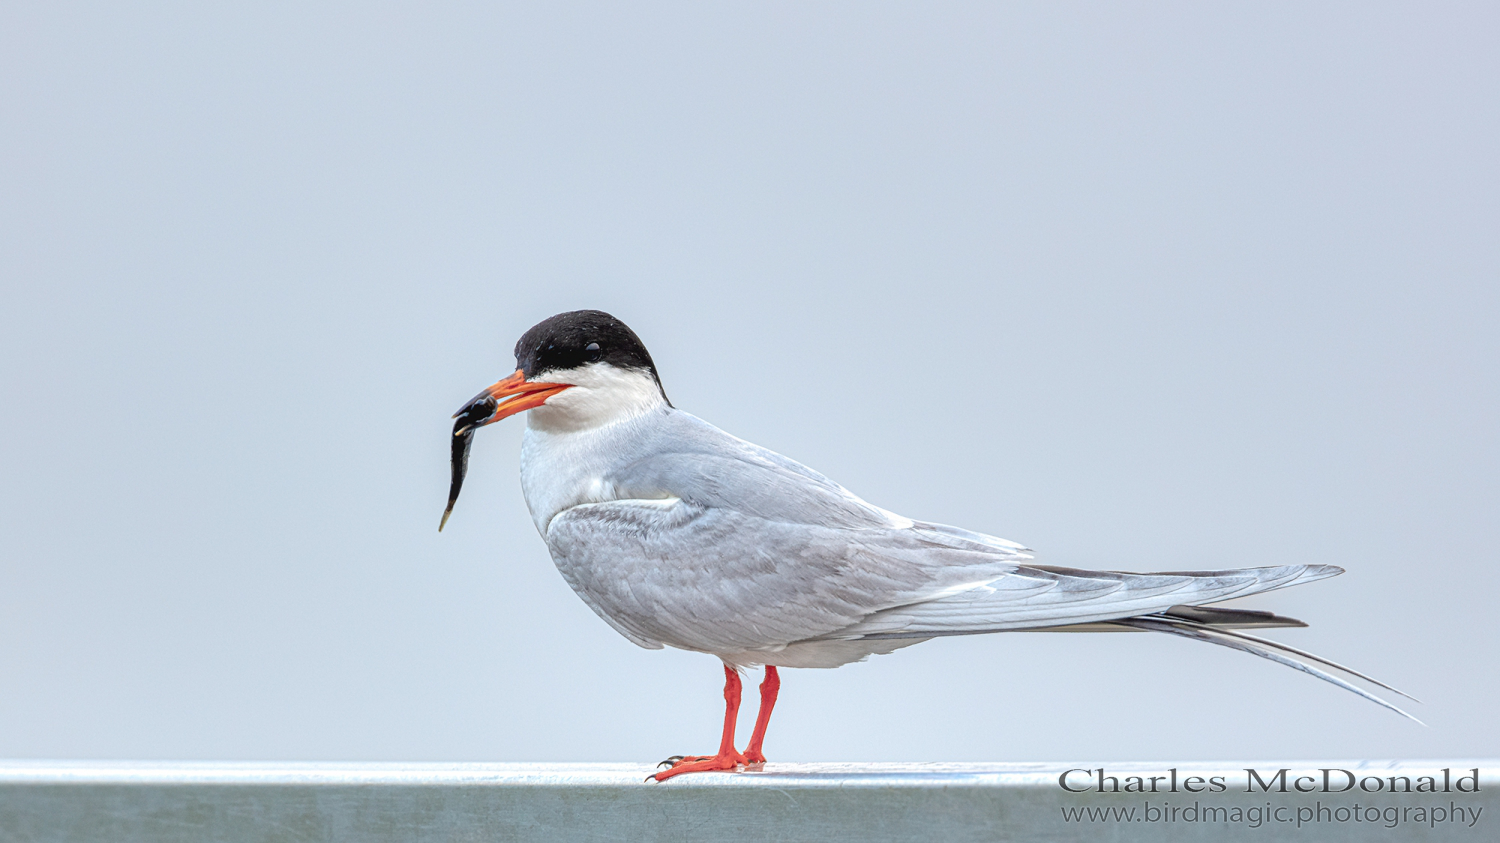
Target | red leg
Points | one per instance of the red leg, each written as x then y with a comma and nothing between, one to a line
768,688
728,757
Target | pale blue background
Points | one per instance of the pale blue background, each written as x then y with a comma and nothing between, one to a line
1154,288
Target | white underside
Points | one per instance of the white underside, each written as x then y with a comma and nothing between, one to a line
823,654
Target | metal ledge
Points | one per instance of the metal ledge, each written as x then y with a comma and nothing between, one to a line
131,802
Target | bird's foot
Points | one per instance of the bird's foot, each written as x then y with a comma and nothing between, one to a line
754,760
679,764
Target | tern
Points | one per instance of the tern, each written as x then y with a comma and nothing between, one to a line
678,534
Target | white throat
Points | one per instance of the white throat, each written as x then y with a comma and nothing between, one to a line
602,394
574,439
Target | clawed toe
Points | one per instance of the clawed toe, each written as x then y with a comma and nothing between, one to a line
674,760
698,764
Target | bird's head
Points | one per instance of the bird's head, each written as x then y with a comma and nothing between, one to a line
574,371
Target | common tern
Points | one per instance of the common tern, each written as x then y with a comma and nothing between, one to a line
678,534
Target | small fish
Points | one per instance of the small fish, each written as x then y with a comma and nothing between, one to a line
467,420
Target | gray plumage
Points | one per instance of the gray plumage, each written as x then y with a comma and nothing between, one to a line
679,534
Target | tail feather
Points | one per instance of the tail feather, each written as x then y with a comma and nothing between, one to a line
1272,650
1293,651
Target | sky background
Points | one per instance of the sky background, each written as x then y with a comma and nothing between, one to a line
1164,287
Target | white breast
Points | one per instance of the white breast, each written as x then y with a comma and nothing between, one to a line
573,440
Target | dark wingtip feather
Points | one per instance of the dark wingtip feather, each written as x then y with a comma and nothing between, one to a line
1232,618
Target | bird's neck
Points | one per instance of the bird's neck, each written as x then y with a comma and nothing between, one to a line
562,468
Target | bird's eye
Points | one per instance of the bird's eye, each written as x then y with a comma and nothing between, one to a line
592,351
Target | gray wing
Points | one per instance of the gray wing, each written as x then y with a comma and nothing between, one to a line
720,545
718,580
1039,597
670,571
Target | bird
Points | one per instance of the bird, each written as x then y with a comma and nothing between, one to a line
678,534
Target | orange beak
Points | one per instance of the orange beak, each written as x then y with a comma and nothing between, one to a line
504,399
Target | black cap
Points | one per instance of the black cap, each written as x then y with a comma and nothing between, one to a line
580,337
